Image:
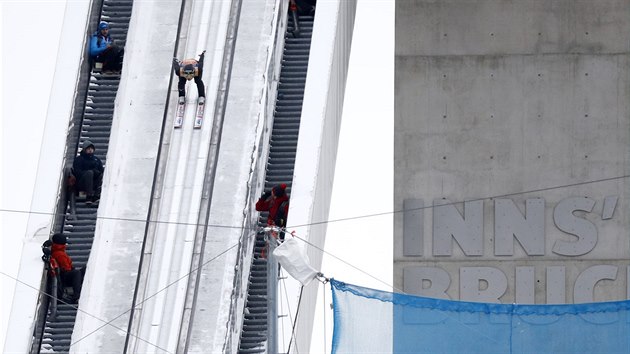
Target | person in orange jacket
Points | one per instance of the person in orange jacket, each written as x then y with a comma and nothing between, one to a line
70,276
276,202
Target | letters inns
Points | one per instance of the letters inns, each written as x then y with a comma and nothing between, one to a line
511,228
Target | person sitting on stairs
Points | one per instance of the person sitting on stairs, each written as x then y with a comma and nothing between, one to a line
70,276
103,49
88,169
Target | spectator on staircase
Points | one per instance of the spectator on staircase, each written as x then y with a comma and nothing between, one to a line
186,70
88,170
70,276
276,202
103,50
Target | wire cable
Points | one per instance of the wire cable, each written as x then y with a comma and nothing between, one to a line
303,240
324,313
112,218
284,345
293,320
364,216
159,291
349,264
83,311
400,291
109,322
544,189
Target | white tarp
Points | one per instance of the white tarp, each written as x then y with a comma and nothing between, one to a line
293,259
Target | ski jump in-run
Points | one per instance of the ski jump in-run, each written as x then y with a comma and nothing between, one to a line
186,70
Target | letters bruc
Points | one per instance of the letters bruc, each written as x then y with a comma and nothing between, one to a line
488,283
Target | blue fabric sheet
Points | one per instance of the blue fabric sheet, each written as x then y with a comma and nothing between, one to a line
374,321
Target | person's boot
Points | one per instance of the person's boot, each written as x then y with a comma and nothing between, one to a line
181,100
91,199
201,100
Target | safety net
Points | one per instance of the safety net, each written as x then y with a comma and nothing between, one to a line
373,321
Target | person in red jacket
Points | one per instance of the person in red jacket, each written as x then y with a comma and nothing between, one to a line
70,276
276,202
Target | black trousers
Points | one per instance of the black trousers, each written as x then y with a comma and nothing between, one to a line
306,7
90,182
181,86
73,278
112,58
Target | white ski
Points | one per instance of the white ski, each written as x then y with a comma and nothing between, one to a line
201,106
179,116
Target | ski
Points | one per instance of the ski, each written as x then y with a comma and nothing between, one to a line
179,116
199,113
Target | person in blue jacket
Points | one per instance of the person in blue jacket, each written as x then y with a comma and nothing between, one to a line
88,170
103,49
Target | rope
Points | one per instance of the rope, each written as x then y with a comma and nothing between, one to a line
347,263
293,337
324,310
83,311
281,306
364,216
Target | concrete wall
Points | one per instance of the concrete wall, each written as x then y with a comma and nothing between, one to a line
57,93
507,103
317,143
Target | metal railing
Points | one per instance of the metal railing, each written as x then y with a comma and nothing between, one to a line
92,120
280,165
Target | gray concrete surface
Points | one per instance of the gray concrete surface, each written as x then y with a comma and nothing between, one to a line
503,102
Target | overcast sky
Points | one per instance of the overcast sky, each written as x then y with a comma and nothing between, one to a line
364,172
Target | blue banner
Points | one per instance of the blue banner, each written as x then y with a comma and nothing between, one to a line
374,321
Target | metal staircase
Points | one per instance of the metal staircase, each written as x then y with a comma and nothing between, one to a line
280,165
79,223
